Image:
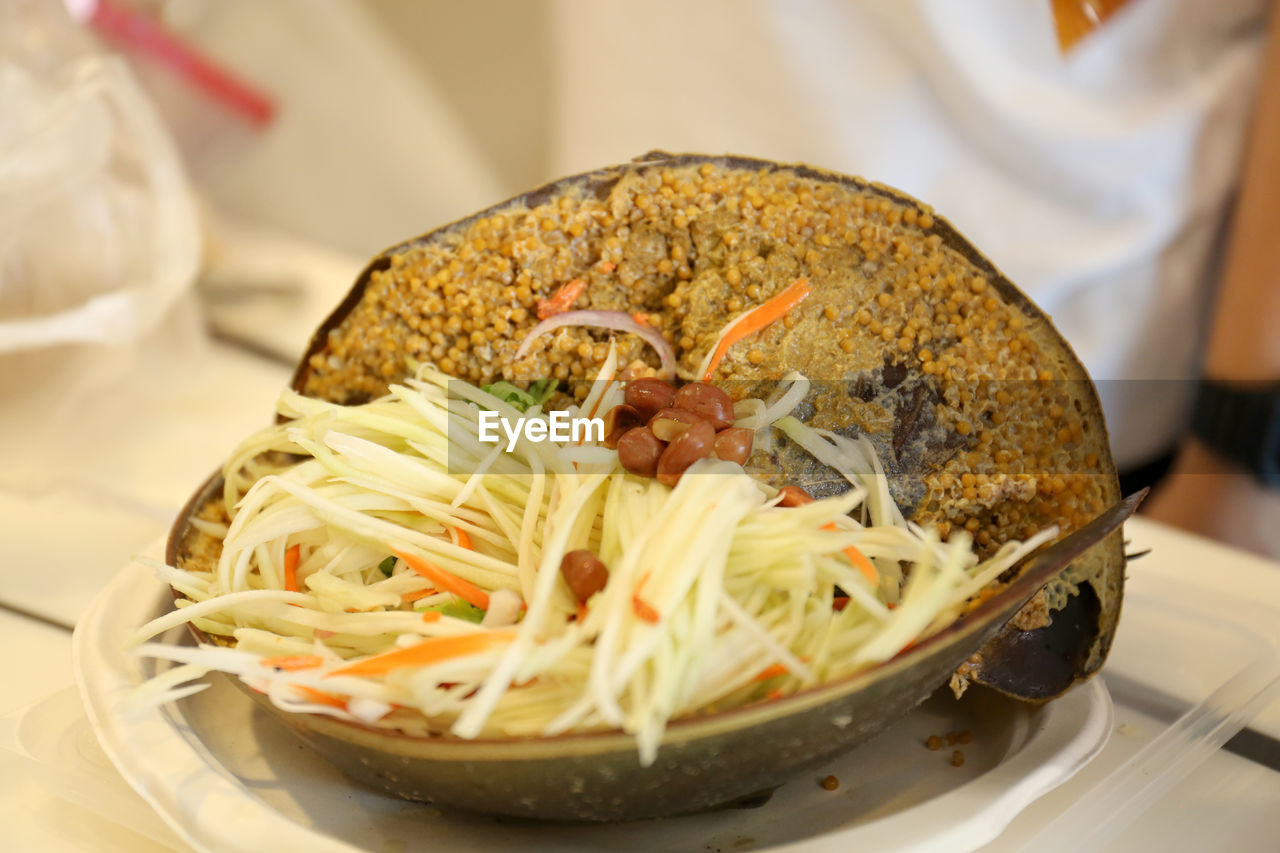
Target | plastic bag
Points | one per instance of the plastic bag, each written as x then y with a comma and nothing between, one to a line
98,233
99,247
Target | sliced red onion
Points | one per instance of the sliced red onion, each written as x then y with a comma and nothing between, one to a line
617,320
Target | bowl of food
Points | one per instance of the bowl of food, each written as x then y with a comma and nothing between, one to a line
834,448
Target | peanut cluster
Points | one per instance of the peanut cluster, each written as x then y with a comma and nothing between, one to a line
659,431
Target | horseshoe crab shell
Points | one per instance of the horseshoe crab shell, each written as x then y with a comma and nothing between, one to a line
983,415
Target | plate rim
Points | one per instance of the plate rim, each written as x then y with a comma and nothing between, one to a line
105,674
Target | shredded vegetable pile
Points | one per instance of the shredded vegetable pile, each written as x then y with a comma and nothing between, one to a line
381,564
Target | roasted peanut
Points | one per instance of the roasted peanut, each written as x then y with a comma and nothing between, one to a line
584,573
707,402
649,396
734,444
639,450
618,420
669,423
696,442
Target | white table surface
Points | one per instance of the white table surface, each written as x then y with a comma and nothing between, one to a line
59,546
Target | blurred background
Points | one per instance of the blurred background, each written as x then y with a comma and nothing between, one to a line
187,187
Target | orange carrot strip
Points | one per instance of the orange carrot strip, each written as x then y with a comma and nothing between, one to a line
641,318
460,538
460,587
428,652
769,312
415,596
582,611
431,616
770,672
562,300
292,662
642,608
775,693
858,559
291,568
773,671
320,697
862,564
607,266
794,496
594,408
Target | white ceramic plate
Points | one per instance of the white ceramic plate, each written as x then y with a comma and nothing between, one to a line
226,776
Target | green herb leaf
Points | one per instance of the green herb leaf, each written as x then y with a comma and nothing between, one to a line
388,565
539,392
459,609
542,389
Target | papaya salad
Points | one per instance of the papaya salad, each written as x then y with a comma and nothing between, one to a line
380,564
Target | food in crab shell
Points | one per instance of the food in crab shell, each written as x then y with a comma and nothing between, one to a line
877,360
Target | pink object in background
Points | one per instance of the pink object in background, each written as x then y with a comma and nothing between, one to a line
138,32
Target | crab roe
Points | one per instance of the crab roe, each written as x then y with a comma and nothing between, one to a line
687,247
